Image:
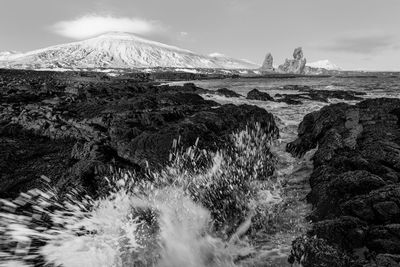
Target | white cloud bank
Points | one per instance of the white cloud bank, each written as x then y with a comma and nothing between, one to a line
92,25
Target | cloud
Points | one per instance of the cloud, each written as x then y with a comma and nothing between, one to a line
361,44
92,25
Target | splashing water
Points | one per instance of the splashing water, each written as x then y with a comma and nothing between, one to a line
194,212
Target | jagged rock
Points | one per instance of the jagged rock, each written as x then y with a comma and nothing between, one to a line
385,239
378,206
306,93
227,93
298,53
387,260
288,99
295,65
257,95
356,173
213,125
346,232
26,157
313,251
76,128
267,65
297,87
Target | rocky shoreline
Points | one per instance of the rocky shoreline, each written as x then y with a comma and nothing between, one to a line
355,190
66,130
70,130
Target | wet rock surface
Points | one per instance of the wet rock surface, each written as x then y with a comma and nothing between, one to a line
308,93
303,93
227,93
70,129
355,184
258,95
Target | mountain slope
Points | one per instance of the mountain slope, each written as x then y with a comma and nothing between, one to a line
7,55
323,64
120,50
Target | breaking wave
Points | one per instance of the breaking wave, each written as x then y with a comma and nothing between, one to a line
200,210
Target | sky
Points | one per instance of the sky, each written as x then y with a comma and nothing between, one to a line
354,34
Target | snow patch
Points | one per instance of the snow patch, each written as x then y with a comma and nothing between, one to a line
216,55
188,70
323,64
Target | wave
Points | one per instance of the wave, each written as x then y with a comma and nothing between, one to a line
194,212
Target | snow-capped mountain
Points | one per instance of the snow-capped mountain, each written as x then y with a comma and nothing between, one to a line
323,64
119,50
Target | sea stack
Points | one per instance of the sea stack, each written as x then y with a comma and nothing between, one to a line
295,65
268,63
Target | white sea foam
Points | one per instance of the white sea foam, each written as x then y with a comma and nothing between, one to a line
114,231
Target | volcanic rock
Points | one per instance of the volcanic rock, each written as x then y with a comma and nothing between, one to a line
355,187
298,53
295,65
267,66
75,129
227,93
255,94
308,93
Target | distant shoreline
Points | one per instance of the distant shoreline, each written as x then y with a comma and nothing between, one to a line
171,75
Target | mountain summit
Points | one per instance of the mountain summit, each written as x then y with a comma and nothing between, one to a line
119,50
